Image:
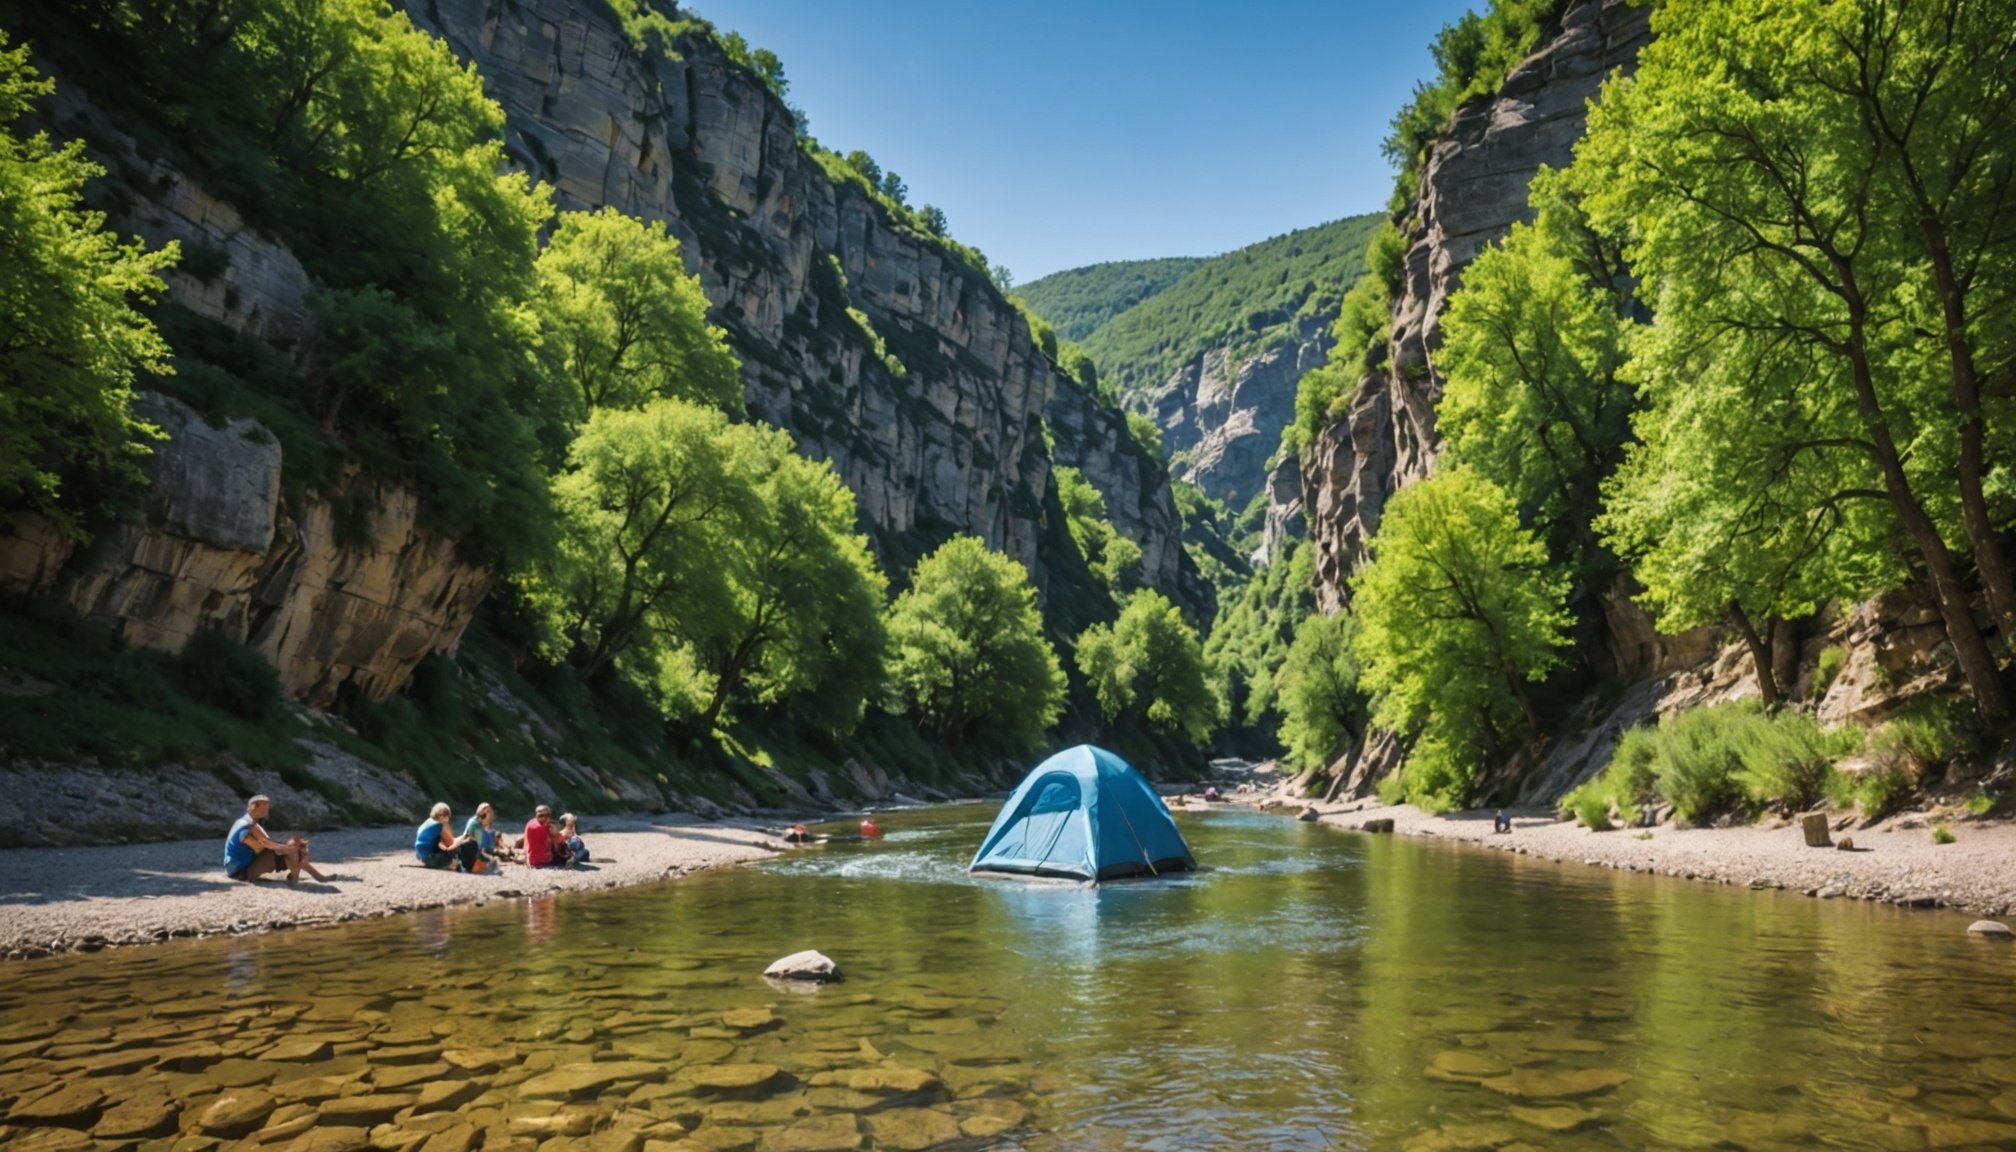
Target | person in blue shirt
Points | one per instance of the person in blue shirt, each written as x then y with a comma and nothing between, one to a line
250,853
437,847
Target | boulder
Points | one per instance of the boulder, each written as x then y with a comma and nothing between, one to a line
1814,826
1383,824
1992,929
1308,815
808,965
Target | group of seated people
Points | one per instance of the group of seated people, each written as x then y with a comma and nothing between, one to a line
481,848
249,852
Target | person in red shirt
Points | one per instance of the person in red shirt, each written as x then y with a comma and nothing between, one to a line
538,839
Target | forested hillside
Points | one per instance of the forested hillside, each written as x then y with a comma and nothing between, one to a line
1078,301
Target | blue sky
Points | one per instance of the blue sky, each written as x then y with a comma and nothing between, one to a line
1056,134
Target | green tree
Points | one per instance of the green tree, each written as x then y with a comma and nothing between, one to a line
1795,531
865,164
643,508
894,188
1838,175
1457,612
933,219
1115,558
1148,666
624,323
1324,711
73,339
1532,347
967,649
802,610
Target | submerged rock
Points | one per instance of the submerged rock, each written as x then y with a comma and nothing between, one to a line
1994,929
1556,1083
808,965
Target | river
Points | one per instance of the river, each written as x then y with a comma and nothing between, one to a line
1310,989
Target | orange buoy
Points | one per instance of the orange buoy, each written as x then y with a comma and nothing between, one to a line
869,830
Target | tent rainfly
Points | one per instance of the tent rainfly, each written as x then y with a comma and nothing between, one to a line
1084,814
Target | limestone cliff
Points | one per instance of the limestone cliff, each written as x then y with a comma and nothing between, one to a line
339,604
1473,189
1221,414
955,443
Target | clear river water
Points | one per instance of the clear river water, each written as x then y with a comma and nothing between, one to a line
1311,989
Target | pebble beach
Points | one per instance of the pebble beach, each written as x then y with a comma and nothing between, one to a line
85,899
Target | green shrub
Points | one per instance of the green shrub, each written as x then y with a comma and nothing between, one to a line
1832,658
1787,761
1942,834
1927,732
1727,757
1877,791
1591,805
1980,805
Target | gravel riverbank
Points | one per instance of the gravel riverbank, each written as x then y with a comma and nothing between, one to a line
61,899
1895,862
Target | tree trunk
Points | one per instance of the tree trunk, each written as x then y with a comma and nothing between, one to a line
1983,678
1760,654
1988,558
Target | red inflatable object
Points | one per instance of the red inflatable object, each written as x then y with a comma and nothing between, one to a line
869,830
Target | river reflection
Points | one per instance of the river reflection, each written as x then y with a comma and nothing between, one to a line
1310,989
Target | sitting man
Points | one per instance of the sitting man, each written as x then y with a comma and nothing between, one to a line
539,841
1501,822
250,853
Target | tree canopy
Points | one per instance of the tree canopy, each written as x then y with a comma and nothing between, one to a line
75,339
1148,666
968,657
622,320
1457,613
1833,179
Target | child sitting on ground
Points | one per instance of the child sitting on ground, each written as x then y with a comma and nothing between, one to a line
570,836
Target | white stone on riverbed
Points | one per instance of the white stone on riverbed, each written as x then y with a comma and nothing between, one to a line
808,965
1992,928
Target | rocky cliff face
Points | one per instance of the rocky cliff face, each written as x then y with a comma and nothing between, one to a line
1221,417
1472,191
336,610
955,443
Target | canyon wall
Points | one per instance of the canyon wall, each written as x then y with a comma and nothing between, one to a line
1473,189
955,443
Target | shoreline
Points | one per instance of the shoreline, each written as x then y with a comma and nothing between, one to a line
1893,862
60,900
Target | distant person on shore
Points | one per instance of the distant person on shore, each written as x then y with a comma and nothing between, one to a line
570,838
539,840
1501,822
250,853
435,846
490,846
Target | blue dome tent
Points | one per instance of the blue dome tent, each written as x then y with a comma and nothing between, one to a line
1084,814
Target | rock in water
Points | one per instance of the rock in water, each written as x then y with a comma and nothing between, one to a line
1994,929
806,965
1308,815
1383,824
1814,825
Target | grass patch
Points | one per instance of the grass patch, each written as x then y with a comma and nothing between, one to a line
1942,834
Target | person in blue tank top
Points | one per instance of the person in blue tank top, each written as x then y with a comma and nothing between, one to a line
250,853
435,846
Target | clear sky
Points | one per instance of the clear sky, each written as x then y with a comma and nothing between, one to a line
1057,133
